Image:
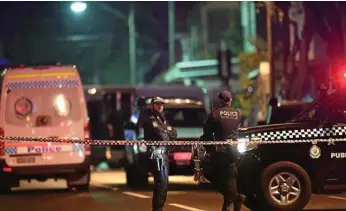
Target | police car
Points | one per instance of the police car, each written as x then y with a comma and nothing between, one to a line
43,101
185,111
283,176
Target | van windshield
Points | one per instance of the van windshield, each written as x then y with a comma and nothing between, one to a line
185,117
38,107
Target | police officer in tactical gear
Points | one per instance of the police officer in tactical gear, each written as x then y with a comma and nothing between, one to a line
220,168
156,128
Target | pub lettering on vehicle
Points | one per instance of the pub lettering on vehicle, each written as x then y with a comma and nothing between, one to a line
338,155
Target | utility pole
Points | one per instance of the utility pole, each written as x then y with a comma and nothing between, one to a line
132,43
171,32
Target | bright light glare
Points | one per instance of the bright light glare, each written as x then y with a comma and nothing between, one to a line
345,75
61,105
92,91
78,7
242,143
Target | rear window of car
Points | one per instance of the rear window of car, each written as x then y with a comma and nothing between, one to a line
24,107
287,113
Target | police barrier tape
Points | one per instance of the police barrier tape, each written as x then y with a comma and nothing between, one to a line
166,143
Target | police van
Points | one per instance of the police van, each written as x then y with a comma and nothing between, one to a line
42,102
282,176
185,111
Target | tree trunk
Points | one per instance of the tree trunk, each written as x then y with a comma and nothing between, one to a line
336,41
285,39
291,63
308,32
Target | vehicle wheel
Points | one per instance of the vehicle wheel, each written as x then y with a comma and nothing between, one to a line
137,175
285,186
141,177
5,190
129,175
82,188
80,183
137,179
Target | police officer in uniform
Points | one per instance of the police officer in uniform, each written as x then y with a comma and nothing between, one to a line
156,128
220,168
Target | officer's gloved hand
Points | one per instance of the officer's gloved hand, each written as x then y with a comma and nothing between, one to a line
172,133
164,136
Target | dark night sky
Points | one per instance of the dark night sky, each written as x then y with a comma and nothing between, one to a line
12,15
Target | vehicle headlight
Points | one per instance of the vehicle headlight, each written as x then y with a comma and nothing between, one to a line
244,145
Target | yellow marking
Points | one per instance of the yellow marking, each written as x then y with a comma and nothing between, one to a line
34,75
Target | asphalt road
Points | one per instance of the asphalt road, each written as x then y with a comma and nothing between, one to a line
109,193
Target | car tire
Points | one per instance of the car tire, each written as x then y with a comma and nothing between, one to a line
141,176
5,190
129,175
137,174
84,187
137,178
275,175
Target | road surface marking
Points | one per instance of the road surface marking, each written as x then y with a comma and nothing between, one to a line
103,186
185,207
176,193
137,195
337,197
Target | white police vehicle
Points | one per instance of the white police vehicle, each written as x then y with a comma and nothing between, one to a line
43,101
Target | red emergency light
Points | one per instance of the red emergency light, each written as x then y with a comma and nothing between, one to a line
339,76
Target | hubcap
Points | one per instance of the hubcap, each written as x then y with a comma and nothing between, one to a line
284,188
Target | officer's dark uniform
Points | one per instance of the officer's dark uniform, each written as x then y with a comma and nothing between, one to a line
220,169
157,129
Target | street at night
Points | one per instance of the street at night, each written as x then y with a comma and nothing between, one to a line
109,193
98,98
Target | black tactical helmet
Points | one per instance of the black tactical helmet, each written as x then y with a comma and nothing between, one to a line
225,96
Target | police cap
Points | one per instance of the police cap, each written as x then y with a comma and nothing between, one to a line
225,96
158,100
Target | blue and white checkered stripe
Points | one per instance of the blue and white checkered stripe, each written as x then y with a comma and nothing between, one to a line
42,84
301,134
78,147
11,150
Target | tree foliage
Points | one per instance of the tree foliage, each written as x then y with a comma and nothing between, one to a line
249,62
327,15
232,36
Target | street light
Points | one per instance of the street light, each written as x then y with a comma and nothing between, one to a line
78,7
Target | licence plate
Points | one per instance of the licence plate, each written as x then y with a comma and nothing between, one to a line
182,162
26,160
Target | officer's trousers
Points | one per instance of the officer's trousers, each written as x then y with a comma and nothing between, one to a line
160,184
222,173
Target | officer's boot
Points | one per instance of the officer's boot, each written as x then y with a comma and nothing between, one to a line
226,205
238,203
